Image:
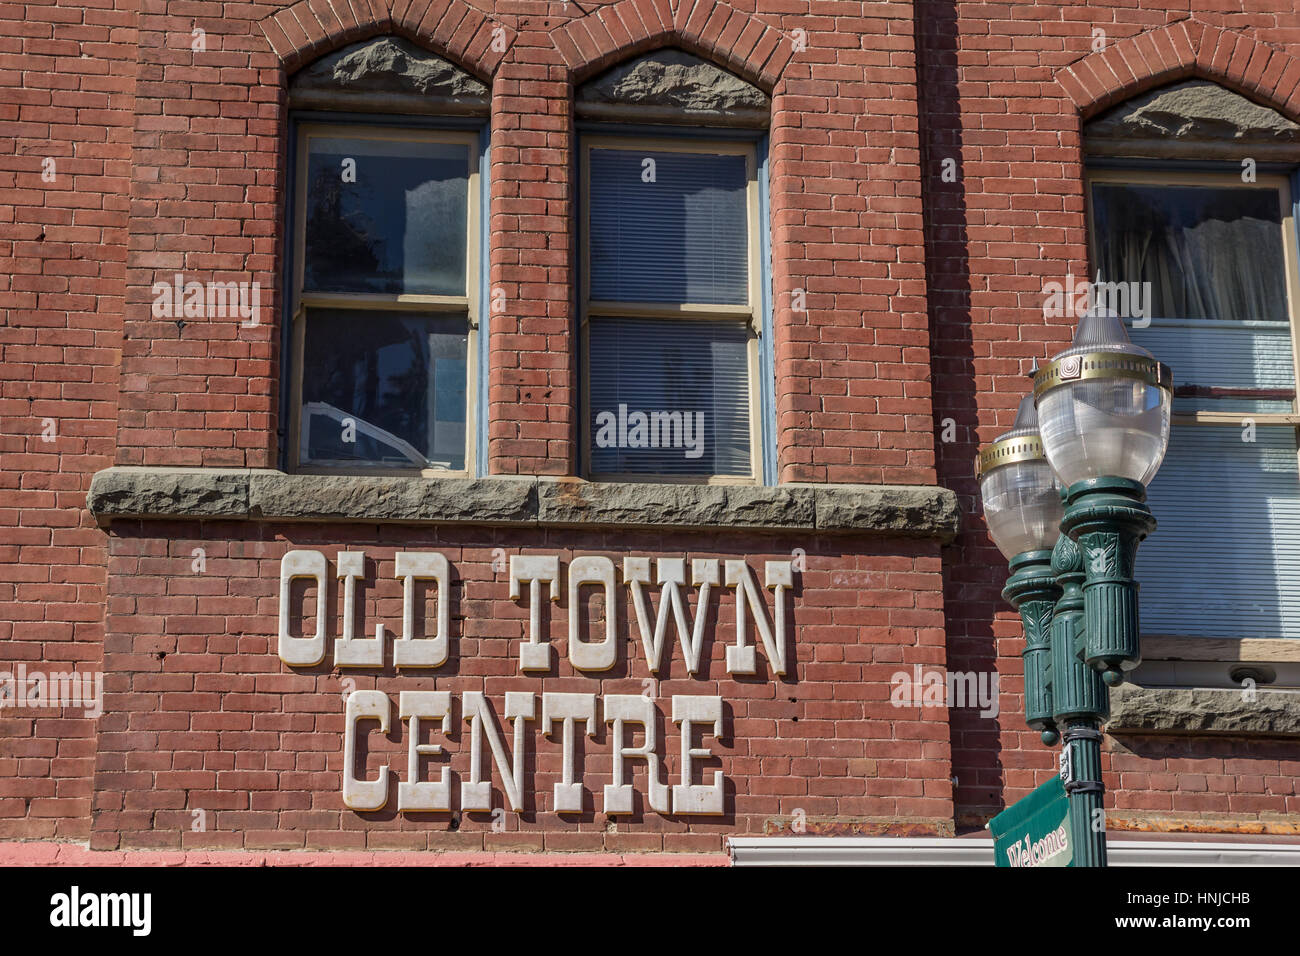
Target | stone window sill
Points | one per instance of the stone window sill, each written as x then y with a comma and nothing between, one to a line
919,511
1166,710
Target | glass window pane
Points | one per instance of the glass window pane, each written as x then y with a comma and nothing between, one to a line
668,227
392,220
1207,253
1225,561
669,397
384,388
1207,266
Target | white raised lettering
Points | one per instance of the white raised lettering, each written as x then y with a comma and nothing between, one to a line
622,709
691,797
350,651
303,651
584,655
779,577
409,651
476,794
414,793
533,570
569,708
672,576
363,794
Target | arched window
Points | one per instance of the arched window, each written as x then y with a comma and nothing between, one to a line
1191,192
673,279
385,262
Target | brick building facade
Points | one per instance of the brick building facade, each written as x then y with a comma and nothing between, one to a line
918,176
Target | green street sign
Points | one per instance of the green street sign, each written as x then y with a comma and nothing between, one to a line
1036,830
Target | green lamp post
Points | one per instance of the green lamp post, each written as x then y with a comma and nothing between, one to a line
1102,422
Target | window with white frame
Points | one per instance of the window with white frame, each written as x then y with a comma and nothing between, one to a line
384,299
671,309
1209,268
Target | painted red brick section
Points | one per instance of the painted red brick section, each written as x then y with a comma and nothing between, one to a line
67,79
73,855
204,723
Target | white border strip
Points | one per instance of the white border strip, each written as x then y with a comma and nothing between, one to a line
978,851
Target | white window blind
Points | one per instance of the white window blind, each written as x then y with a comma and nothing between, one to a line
1225,559
688,379
668,227
669,395
1207,258
1208,357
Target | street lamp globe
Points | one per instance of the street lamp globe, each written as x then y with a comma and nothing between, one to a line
1023,510
1104,405
1022,500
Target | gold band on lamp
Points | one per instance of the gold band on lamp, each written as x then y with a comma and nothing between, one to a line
1008,451
1089,365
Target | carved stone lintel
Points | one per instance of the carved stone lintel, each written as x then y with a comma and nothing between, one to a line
389,75
1193,111
669,86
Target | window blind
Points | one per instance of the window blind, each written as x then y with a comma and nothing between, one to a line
668,227
688,380
1225,559
1223,355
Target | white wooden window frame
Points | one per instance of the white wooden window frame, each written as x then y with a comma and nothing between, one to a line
750,312
302,300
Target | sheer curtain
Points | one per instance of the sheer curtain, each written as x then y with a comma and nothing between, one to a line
1208,253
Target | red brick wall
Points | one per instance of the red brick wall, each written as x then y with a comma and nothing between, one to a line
200,713
205,202
170,159
67,71
853,398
